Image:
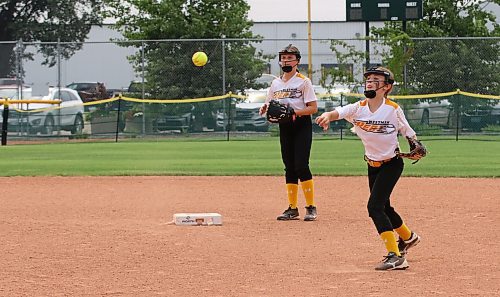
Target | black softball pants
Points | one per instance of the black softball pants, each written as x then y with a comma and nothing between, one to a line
382,181
296,141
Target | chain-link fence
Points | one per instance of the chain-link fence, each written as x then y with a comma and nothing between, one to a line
152,89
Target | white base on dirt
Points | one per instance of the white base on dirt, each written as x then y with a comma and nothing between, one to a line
197,219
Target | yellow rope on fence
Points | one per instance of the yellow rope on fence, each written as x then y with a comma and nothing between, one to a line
323,95
421,96
180,100
101,101
231,95
27,101
497,97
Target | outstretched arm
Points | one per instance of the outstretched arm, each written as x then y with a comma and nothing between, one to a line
325,118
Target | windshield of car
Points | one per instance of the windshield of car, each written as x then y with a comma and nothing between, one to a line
82,86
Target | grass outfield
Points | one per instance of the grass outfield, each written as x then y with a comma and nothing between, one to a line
464,158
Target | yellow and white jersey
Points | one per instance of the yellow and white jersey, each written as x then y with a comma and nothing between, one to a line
378,130
297,91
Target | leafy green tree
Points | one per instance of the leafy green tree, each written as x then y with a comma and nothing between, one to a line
344,53
443,65
45,20
169,71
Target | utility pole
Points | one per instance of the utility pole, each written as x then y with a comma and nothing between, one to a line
309,45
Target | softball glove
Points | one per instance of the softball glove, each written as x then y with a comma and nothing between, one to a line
279,113
417,150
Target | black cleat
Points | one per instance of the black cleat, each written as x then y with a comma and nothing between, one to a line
289,214
405,245
311,213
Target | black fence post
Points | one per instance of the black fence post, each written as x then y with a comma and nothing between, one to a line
341,104
457,116
228,127
118,119
5,122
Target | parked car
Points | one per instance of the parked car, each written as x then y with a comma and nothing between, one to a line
90,91
8,81
47,118
495,115
266,79
441,113
180,123
259,95
256,95
13,92
478,117
245,117
430,112
248,118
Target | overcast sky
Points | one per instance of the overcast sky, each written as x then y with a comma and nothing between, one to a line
296,10
321,10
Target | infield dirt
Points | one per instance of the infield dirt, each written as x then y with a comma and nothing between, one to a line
106,236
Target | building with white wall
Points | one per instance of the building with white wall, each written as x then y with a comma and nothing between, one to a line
279,22
106,62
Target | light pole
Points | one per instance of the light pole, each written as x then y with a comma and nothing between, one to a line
309,46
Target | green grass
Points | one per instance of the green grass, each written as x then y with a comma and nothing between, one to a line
465,158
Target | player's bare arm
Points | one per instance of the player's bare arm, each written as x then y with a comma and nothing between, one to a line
325,118
311,108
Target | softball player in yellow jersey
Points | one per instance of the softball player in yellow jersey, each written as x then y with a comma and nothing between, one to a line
377,121
296,137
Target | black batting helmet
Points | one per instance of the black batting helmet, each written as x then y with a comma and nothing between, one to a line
290,49
389,76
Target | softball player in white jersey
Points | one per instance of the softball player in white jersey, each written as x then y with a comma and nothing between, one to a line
377,121
296,137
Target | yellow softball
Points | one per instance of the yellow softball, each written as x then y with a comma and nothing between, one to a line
199,59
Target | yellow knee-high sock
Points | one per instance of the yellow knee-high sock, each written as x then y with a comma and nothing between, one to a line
404,232
292,191
308,189
390,242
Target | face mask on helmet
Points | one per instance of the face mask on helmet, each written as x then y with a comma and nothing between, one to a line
370,94
287,68
285,65
289,50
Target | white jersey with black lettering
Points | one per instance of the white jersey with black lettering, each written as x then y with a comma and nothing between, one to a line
297,91
378,130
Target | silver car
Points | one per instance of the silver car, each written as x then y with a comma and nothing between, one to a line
47,118
428,112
